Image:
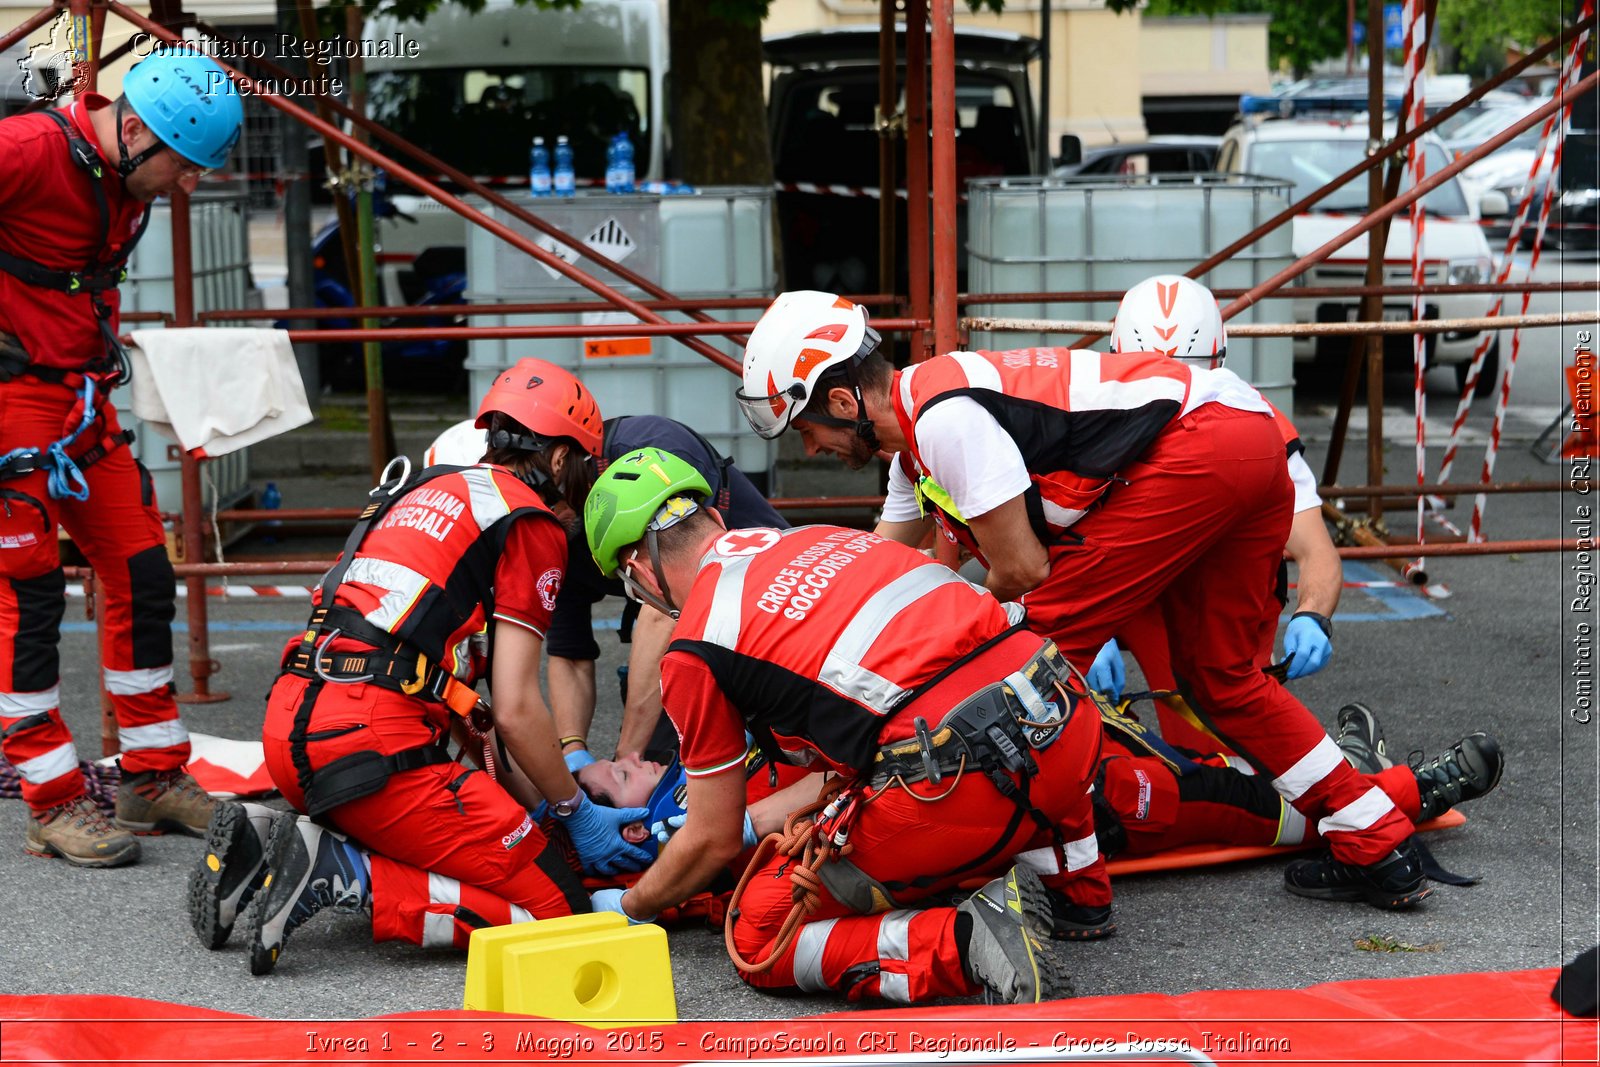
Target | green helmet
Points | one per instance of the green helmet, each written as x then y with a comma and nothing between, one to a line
647,489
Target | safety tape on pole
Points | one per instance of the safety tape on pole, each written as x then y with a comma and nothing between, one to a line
867,192
1569,79
1416,22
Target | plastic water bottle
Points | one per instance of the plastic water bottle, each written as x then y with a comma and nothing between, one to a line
624,150
271,500
611,165
566,182
539,168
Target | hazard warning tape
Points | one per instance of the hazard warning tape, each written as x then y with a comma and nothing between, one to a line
231,592
868,192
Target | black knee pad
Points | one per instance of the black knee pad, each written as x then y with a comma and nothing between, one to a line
35,653
154,593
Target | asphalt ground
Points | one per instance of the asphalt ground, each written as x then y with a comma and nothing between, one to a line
1504,652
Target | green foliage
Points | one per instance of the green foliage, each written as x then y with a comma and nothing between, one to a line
1479,30
1299,34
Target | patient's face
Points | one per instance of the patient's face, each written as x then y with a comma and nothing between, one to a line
623,783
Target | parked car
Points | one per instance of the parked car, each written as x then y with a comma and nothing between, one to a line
1174,154
1309,154
1573,210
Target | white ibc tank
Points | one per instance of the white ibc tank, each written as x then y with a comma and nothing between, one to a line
1054,235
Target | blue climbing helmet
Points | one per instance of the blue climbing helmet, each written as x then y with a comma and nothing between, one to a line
188,101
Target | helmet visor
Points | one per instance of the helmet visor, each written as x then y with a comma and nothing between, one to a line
770,415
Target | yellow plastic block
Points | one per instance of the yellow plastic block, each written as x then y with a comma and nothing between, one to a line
485,951
599,977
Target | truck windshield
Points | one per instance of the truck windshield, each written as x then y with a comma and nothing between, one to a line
1312,164
483,120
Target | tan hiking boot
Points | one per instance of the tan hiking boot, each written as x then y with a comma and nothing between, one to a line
152,802
78,833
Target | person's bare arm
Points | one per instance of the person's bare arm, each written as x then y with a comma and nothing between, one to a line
1321,574
1017,561
520,714
572,696
910,532
652,633
767,815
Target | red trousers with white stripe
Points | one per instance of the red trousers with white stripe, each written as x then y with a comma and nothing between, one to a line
454,823
1196,526
919,848
119,530
1159,810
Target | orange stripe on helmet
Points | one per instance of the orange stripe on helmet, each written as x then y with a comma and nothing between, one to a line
1167,296
810,358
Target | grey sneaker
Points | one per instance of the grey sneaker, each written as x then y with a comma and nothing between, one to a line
1010,953
234,864
1361,739
308,868
1467,770
79,833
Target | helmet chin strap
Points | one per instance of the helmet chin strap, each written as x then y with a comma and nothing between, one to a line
860,424
662,602
125,165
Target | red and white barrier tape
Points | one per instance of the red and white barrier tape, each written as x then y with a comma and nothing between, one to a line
231,592
1416,22
1571,69
868,192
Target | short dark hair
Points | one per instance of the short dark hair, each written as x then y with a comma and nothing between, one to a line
871,373
685,536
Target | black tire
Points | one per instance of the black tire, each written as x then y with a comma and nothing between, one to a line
1488,379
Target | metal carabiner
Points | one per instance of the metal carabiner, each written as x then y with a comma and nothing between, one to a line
316,664
393,485
930,765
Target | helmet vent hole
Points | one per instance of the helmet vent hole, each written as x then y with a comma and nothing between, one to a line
626,476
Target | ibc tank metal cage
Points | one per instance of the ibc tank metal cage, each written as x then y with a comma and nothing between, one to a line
1100,232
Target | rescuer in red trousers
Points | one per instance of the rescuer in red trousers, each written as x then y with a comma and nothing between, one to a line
946,720
1094,486
445,580
75,193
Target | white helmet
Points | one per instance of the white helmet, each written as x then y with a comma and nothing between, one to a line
1172,315
801,335
461,445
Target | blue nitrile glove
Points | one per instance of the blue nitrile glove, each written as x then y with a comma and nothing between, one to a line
751,838
1107,674
1306,644
596,833
663,829
611,900
577,759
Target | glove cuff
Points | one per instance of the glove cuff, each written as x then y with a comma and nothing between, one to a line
630,916
1323,622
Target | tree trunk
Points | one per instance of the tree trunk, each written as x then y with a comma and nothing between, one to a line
719,115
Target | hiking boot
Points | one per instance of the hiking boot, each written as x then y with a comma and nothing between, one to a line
1078,922
1468,769
1361,739
231,869
1393,883
79,833
308,868
1010,953
153,802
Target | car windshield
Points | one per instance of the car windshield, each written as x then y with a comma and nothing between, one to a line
482,120
1485,125
1312,164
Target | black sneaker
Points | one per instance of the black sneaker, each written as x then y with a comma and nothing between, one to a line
231,869
1393,883
1361,739
1468,769
1009,953
1078,922
308,869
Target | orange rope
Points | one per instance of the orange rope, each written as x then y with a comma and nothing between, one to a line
799,838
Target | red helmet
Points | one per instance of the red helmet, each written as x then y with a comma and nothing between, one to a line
546,399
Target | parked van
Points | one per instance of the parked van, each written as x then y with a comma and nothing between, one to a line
1310,154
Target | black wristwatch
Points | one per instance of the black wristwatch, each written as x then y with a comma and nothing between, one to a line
1324,623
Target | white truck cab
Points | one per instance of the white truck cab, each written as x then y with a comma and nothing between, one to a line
1310,153
482,84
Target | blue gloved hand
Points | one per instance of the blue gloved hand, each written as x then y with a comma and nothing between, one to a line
751,838
611,900
1306,645
577,759
1107,674
663,829
596,833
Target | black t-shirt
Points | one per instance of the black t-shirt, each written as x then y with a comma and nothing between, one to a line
571,627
